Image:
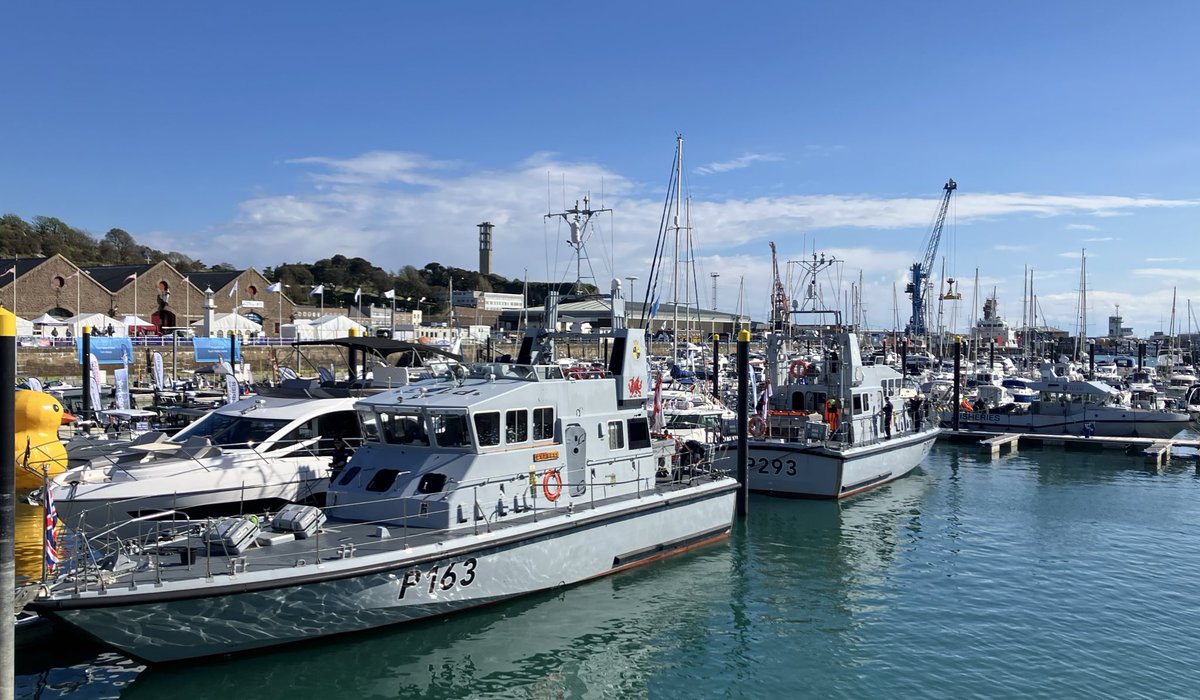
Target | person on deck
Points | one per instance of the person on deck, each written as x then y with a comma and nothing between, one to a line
887,418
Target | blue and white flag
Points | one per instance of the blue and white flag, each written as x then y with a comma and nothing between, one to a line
160,380
232,390
276,287
358,295
654,308
319,289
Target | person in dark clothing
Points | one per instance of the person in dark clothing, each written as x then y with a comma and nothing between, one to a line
887,418
341,455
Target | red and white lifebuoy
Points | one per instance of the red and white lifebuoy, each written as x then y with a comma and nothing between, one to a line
799,369
552,485
757,427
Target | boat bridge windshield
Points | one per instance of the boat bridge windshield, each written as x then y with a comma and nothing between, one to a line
413,427
231,431
504,370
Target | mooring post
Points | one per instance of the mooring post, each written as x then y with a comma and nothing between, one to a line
957,368
716,370
85,360
743,422
8,499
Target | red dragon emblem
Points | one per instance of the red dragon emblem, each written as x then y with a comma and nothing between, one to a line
635,386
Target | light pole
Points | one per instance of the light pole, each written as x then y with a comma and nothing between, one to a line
714,276
632,279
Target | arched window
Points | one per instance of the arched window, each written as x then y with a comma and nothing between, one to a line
252,291
58,282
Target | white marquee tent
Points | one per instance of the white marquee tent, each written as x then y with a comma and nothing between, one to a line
224,324
99,323
324,328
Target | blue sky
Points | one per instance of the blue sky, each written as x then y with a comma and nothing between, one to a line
291,131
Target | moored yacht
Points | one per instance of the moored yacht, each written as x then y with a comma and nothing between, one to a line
255,453
1073,407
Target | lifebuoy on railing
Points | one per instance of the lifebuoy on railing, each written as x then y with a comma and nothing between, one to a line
799,369
757,427
552,492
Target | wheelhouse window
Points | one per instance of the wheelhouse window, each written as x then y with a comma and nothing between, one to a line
369,424
616,436
487,428
450,430
403,428
639,433
516,426
543,423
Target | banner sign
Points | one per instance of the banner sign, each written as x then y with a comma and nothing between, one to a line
212,349
252,304
110,351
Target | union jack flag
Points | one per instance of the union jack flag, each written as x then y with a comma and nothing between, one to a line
51,540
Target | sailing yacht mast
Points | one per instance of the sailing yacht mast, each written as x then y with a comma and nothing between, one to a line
675,255
1083,300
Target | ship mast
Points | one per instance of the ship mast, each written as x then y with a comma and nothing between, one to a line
577,219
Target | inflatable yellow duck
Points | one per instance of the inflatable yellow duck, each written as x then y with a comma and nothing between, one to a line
37,418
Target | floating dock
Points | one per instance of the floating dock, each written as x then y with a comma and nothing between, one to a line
1155,451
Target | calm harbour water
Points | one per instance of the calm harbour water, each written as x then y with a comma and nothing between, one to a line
1048,573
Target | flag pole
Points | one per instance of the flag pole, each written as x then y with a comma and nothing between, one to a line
280,308
392,318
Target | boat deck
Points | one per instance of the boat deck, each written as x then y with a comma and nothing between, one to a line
187,557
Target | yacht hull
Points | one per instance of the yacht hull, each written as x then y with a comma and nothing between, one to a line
196,493
1107,423
818,470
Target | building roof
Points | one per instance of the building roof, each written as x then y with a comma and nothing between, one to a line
213,280
115,277
23,265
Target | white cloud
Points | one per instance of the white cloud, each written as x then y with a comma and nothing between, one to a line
744,161
398,208
1168,275
1081,227
1101,239
1162,260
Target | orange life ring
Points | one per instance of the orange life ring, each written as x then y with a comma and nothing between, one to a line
552,495
799,369
966,406
757,427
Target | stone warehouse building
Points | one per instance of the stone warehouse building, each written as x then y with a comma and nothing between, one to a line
156,292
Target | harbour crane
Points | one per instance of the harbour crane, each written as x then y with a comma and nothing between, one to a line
919,286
